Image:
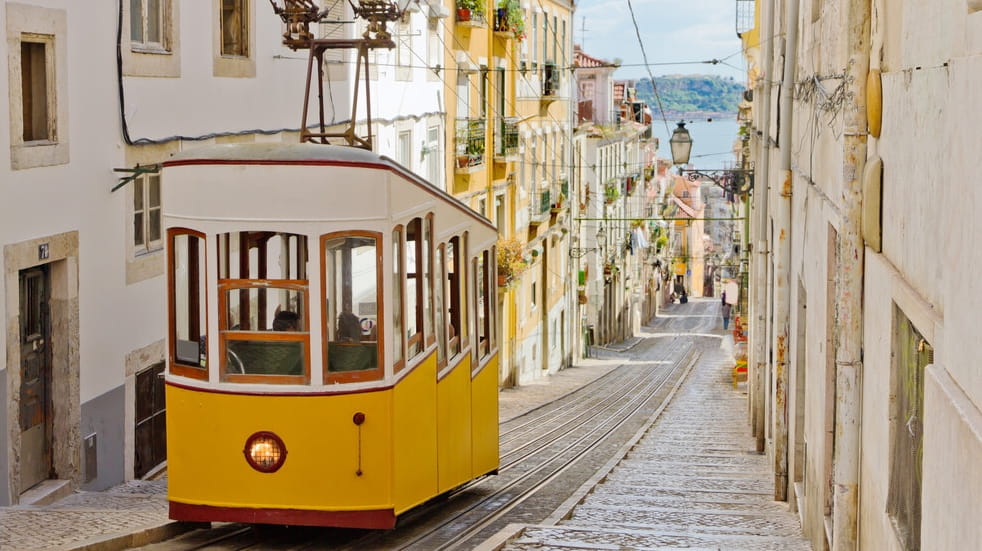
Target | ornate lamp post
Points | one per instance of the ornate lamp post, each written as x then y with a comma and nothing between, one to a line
681,144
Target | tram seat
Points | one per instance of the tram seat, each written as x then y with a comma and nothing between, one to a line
269,357
352,356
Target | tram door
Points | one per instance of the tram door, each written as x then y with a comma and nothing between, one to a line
35,377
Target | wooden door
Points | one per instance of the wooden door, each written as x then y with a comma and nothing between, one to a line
35,372
151,420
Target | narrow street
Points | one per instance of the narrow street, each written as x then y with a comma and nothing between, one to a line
689,479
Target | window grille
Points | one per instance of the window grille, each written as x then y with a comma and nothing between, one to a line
744,16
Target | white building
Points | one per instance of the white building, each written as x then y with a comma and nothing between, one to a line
865,386
83,262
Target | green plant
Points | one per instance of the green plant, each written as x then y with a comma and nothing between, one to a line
510,259
475,147
514,17
611,192
475,6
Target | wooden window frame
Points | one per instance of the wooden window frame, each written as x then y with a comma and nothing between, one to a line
429,250
244,23
175,367
225,334
453,300
141,188
440,307
417,338
369,374
144,45
37,90
398,304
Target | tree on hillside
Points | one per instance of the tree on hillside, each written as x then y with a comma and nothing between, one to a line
692,93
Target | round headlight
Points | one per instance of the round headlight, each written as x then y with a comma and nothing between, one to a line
265,452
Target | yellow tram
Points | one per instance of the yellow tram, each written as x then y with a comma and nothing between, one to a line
332,341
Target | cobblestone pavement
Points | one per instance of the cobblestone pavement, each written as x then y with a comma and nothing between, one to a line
693,481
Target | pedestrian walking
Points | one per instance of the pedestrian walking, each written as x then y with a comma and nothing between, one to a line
725,310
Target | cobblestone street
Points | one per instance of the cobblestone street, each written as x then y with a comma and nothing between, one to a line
692,481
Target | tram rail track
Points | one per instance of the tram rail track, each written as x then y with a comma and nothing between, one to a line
535,470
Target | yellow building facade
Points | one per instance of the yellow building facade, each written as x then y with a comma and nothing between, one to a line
508,104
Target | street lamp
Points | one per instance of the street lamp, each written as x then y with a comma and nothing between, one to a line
681,144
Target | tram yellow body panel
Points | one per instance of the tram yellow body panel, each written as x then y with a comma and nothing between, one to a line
453,426
484,418
415,444
207,432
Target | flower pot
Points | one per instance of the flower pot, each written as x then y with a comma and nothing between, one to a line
463,14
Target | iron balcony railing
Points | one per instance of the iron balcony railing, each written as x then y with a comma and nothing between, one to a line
470,142
506,138
539,206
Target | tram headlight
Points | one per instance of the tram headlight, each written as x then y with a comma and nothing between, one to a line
265,452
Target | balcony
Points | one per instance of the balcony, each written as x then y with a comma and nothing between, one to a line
470,145
509,21
469,14
559,200
539,207
506,140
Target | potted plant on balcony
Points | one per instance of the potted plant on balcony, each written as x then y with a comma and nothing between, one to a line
475,151
510,260
510,18
611,192
468,8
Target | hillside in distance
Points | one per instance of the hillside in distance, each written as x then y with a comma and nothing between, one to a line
693,95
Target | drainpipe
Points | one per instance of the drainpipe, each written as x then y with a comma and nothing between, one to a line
757,360
849,286
782,258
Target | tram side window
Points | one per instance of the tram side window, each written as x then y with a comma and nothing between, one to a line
452,291
439,299
484,304
414,287
263,322
428,278
351,298
187,303
397,280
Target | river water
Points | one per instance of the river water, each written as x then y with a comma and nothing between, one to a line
712,142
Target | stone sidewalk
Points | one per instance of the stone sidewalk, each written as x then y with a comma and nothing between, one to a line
691,480
135,513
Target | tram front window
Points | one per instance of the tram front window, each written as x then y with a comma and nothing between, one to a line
264,322
266,331
351,299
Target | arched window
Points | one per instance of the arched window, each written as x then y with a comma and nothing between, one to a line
186,299
352,270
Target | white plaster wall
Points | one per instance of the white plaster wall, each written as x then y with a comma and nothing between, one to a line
929,265
812,214
43,201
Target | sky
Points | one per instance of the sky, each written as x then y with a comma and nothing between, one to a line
672,31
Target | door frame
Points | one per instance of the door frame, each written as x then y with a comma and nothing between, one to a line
60,253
